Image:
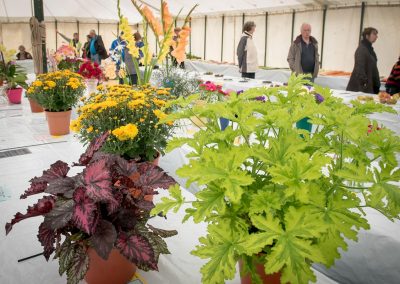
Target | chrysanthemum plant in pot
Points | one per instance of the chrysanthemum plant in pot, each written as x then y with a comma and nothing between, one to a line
132,115
284,198
99,215
57,92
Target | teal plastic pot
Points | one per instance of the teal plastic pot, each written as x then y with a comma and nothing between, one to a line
304,124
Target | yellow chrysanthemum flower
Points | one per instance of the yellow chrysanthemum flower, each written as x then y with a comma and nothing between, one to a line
127,132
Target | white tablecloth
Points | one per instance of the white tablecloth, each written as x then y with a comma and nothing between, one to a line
20,128
277,75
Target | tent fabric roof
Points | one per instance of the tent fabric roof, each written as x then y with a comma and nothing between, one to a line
106,10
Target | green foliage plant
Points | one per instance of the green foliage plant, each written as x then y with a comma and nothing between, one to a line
284,197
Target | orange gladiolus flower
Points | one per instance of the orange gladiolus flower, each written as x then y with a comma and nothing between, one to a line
167,18
153,22
180,51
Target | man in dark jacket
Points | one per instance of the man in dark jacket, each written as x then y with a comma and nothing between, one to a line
96,51
303,57
365,76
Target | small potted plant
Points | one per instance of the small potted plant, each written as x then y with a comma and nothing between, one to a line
132,115
96,222
57,92
15,77
280,198
92,73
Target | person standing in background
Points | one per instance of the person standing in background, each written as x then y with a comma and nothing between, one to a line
303,57
247,52
73,42
393,82
23,54
97,51
365,75
85,49
139,44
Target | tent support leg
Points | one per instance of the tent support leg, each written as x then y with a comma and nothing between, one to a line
266,39
362,18
293,19
38,10
222,38
323,36
205,37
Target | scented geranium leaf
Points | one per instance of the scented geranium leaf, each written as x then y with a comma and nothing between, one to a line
38,184
208,200
168,204
234,184
293,246
104,238
138,250
384,195
370,107
43,206
249,264
163,233
62,186
85,212
47,238
220,246
154,177
60,214
385,145
177,142
353,172
264,201
94,146
97,179
79,265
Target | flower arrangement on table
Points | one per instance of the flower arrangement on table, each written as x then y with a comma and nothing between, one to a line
72,64
65,52
91,70
57,91
132,116
100,211
284,198
163,31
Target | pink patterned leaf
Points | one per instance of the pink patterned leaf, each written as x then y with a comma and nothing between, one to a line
104,238
43,206
47,238
85,214
60,214
61,186
94,146
154,177
138,250
98,182
39,184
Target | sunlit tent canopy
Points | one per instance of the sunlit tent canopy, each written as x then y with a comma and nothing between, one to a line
217,26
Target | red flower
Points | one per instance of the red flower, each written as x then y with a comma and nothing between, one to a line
90,70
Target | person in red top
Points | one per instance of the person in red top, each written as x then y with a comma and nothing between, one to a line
393,82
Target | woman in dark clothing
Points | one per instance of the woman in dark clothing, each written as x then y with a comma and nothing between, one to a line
85,49
393,82
365,76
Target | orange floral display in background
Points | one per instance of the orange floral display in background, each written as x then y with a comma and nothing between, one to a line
180,51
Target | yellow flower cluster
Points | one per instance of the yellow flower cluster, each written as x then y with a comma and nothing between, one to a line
136,103
159,103
127,132
128,38
160,115
50,84
74,83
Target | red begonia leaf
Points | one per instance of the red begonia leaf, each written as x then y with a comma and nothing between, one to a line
86,215
154,177
94,146
47,237
42,207
39,184
97,179
79,265
62,186
138,250
104,238
60,214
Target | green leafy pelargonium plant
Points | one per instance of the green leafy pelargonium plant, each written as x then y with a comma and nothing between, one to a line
284,197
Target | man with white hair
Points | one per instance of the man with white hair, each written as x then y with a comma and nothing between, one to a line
96,49
303,55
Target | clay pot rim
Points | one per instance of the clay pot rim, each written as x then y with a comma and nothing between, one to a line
46,110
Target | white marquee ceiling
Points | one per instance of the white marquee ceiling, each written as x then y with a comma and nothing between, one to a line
105,10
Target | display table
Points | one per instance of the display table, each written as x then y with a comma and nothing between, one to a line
19,128
27,64
277,75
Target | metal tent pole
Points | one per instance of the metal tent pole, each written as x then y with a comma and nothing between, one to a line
362,18
222,37
266,39
205,37
323,35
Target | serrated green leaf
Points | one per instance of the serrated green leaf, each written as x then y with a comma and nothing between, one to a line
208,200
168,204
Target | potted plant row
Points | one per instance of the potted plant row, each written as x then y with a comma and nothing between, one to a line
57,92
96,222
285,198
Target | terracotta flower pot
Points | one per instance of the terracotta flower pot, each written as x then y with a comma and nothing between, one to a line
58,122
14,95
35,107
266,279
117,269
